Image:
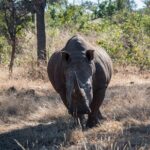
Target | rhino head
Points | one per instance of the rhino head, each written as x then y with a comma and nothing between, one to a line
78,74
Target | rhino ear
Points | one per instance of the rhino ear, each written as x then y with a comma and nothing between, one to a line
65,56
90,54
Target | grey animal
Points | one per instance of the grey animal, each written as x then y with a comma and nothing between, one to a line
80,73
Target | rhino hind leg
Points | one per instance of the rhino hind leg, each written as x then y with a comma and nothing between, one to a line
95,116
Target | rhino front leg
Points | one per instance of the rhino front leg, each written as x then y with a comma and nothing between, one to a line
95,116
82,121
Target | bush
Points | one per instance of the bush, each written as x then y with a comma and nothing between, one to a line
4,50
126,38
68,16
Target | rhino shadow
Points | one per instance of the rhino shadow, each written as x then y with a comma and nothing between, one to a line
51,135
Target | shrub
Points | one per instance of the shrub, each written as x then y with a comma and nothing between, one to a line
4,50
126,39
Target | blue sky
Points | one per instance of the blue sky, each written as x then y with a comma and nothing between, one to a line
139,3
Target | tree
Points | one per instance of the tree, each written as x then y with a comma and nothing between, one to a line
39,9
125,4
147,3
40,26
16,18
147,7
106,9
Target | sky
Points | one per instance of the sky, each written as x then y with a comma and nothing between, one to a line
139,3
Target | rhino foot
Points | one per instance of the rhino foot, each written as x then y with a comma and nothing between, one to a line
94,120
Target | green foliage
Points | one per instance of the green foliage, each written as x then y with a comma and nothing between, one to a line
15,16
13,19
105,9
146,24
127,38
125,4
124,33
4,50
67,16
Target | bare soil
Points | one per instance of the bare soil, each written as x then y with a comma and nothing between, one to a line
33,117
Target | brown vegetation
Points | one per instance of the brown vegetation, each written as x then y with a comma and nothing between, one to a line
33,117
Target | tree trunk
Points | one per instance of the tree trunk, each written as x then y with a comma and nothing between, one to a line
41,37
13,45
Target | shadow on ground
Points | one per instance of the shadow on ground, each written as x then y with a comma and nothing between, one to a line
134,138
52,136
34,138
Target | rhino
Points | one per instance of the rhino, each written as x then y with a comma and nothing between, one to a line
80,73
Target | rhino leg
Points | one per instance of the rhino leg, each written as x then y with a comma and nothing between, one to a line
82,121
95,116
79,122
63,97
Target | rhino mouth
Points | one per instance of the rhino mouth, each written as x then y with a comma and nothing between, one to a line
78,110
77,101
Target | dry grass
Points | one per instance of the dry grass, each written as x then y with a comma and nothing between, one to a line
33,117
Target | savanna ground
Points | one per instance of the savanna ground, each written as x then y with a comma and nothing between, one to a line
32,116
